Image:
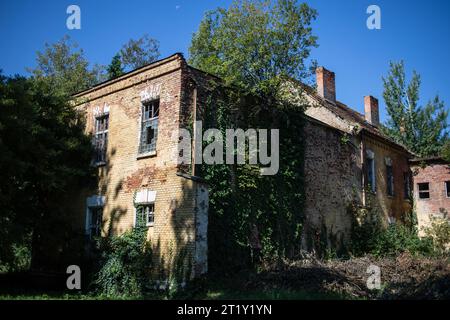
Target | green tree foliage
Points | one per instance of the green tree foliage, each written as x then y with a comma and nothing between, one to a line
253,44
137,53
370,236
422,129
45,155
115,68
445,152
63,69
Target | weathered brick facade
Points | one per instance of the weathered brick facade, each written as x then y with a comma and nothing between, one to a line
339,142
180,204
434,173
340,146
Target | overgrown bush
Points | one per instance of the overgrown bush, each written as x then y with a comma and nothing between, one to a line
370,236
439,232
399,238
126,263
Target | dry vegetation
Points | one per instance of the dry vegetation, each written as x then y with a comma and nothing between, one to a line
404,277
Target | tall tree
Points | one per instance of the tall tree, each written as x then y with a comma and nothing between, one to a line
422,129
137,53
115,68
63,67
253,44
45,156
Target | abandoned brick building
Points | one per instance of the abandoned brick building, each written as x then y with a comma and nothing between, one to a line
431,189
348,162
135,119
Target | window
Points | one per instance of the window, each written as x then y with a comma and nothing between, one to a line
424,190
370,167
144,200
149,126
447,188
390,180
145,215
95,217
406,185
101,138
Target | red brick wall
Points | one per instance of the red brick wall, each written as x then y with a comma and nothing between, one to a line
438,204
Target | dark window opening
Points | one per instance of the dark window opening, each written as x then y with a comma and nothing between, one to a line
371,174
424,190
390,180
406,185
101,138
150,135
95,223
447,188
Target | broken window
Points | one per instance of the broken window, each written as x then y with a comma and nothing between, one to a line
149,126
424,190
101,138
390,180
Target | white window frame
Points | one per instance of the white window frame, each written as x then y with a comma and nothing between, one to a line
427,191
103,133
147,223
153,120
144,197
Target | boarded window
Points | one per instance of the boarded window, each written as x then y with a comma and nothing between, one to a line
424,190
149,126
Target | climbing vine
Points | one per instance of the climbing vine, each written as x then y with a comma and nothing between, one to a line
242,201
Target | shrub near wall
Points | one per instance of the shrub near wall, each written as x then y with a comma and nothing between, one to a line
126,263
370,236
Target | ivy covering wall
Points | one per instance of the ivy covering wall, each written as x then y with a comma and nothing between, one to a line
247,208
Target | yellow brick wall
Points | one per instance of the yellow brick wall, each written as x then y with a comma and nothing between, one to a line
125,173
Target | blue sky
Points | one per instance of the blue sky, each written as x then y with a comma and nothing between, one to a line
416,31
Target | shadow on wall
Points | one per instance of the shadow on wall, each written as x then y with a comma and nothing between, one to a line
172,241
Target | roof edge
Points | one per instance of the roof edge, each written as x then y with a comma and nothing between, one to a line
128,74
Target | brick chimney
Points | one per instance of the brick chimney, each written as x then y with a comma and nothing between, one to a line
371,111
326,87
